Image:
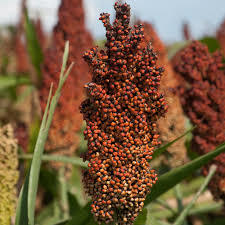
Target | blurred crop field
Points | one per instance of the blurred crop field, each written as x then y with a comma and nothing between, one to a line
119,127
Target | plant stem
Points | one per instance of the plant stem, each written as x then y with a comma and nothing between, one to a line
185,212
63,193
58,158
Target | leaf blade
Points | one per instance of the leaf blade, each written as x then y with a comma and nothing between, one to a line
173,177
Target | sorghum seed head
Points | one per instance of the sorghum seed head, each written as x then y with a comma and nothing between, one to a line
202,96
67,120
121,112
8,174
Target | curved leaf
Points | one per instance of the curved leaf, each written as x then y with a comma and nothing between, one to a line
175,176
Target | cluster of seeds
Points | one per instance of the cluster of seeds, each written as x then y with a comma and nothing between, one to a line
173,124
121,112
67,120
220,35
203,96
8,174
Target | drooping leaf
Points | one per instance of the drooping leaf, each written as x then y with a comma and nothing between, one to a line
175,176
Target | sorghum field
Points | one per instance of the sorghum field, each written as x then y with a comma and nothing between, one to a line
128,130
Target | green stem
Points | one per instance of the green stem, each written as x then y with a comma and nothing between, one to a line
179,196
63,192
58,158
185,212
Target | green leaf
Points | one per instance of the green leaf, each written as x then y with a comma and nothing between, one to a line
33,134
83,217
76,161
22,210
175,176
33,45
162,149
142,217
220,221
75,185
49,181
12,81
42,137
63,193
74,205
184,213
212,43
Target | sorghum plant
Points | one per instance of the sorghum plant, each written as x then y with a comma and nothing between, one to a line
172,125
67,120
220,35
121,113
202,96
8,174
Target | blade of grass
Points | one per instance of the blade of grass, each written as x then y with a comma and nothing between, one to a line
63,189
184,213
173,177
39,147
58,158
162,149
21,209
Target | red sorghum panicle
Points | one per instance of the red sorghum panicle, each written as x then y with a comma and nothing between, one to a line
67,120
220,35
21,134
173,124
203,97
121,112
22,59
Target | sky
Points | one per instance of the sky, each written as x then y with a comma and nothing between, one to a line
203,16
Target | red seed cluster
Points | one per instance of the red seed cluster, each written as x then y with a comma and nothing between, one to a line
121,112
21,134
22,59
203,97
220,35
67,120
173,124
